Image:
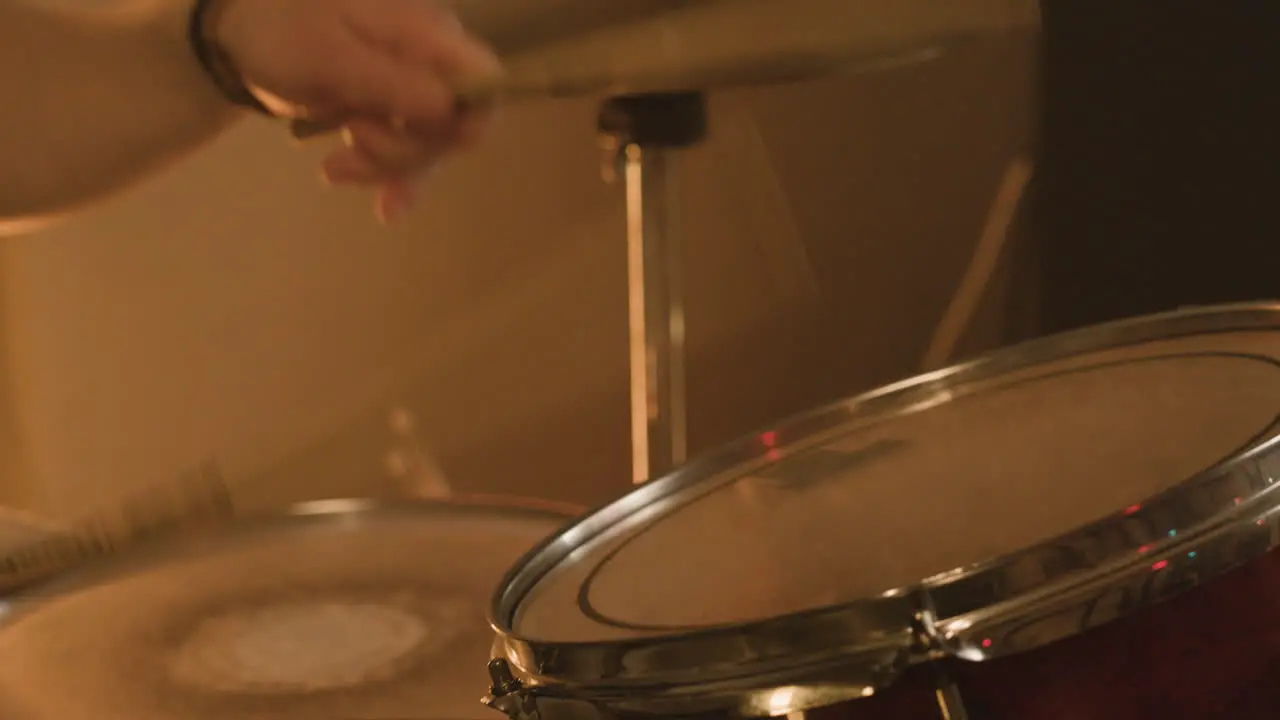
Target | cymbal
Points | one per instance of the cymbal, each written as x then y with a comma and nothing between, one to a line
333,609
718,43
514,25
653,47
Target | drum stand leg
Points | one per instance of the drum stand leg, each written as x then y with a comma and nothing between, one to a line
950,704
641,133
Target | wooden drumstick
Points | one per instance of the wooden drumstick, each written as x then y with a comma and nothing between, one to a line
532,80
964,305
198,500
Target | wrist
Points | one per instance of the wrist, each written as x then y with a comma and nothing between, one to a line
204,33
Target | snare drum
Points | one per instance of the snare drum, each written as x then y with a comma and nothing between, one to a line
331,610
1074,528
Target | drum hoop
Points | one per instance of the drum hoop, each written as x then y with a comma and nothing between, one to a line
1225,516
166,547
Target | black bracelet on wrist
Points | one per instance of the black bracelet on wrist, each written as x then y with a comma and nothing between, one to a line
215,62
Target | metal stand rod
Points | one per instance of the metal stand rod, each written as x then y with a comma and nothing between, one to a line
644,131
950,702
656,314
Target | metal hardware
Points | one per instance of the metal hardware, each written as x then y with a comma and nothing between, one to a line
950,703
644,131
1200,527
506,693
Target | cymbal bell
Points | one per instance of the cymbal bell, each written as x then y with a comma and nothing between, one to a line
653,46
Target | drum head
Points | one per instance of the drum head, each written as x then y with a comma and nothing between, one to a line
339,609
911,487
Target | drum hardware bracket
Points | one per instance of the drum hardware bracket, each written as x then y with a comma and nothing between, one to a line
931,646
640,132
507,694
519,701
929,642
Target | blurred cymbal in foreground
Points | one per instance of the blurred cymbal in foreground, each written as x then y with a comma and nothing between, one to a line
327,610
710,44
514,25
656,46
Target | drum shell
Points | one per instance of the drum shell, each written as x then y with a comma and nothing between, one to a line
1212,653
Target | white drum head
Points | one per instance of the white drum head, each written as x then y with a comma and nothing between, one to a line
972,473
343,610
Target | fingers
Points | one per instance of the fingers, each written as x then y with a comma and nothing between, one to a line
394,152
375,151
395,198
349,167
423,32
404,60
390,75
377,154
395,194
365,83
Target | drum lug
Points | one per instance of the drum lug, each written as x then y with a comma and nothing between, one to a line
928,643
519,701
932,647
507,694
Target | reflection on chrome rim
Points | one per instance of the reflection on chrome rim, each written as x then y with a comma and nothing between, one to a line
1223,518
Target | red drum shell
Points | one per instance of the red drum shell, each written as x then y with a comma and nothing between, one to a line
1212,653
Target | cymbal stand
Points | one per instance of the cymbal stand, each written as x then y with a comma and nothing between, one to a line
641,133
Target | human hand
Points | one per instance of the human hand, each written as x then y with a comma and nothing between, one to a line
387,71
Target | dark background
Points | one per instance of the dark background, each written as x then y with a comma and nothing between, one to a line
1159,162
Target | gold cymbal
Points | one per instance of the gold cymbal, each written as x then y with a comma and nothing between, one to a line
515,25
646,46
710,44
